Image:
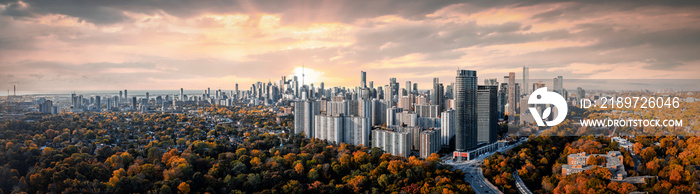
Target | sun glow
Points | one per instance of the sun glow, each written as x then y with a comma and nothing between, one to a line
307,75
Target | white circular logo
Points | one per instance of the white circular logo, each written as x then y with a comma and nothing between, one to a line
542,96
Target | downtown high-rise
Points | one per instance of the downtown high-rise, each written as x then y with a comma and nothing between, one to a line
512,97
363,79
526,80
558,86
465,110
304,112
437,95
487,113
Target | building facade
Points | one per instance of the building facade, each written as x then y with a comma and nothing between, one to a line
304,112
487,115
447,127
465,110
429,142
397,143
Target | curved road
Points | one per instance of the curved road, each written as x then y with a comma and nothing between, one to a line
474,174
522,188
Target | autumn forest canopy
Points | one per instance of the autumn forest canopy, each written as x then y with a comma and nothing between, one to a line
139,153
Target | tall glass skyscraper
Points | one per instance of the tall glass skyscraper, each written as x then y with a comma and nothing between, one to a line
437,95
465,110
526,80
487,113
363,79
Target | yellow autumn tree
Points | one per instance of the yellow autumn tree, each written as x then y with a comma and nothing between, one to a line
184,188
395,166
116,175
299,168
360,157
255,162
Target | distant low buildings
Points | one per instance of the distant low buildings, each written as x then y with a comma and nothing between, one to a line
47,107
624,143
579,162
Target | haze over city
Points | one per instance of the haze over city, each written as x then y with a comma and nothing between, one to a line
143,45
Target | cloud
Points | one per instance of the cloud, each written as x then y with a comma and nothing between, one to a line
119,44
107,12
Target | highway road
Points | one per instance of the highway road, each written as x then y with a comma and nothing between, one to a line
522,188
475,177
474,174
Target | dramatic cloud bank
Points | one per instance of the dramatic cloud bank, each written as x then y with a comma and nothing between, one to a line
110,45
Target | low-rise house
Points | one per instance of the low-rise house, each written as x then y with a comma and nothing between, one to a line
578,162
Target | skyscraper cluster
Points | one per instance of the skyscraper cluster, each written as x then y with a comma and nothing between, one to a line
456,116
401,120
512,97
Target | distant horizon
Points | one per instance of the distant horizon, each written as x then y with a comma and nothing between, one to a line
569,84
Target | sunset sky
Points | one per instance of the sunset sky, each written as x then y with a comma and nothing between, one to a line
58,45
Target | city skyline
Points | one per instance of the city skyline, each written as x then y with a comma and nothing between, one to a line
144,46
657,85
349,96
